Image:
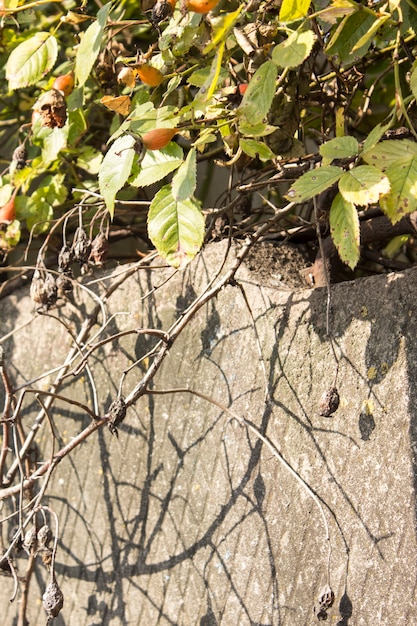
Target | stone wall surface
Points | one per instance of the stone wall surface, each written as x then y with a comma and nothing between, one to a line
188,518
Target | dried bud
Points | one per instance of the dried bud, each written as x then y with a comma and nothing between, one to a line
99,249
64,285
43,289
30,542
51,108
81,247
53,599
160,11
116,414
65,258
44,536
19,156
329,402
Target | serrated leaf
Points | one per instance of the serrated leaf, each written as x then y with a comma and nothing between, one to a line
292,10
363,185
259,95
156,164
185,180
340,148
31,60
345,230
89,47
402,198
294,50
387,153
254,149
176,228
314,182
115,169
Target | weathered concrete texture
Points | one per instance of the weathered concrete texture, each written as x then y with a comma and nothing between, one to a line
188,518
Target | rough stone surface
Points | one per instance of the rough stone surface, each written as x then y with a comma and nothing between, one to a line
188,518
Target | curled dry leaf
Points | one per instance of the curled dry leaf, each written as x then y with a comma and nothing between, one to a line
118,104
51,109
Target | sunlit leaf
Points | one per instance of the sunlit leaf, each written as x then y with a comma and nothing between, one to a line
345,231
176,228
115,169
363,185
402,198
222,25
339,148
294,50
314,182
293,10
89,47
156,164
259,95
31,60
389,152
375,135
185,180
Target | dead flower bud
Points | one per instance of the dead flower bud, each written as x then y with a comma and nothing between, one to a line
65,258
329,402
19,156
51,109
53,599
99,249
81,247
30,542
116,414
44,536
43,289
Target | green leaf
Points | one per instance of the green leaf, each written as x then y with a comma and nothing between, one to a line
345,231
259,95
89,47
292,10
10,237
254,148
176,228
376,134
156,164
402,198
294,50
413,80
222,25
339,148
366,39
347,35
387,153
31,60
54,141
314,182
115,169
185,180
363,185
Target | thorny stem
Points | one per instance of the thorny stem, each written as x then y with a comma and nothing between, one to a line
207,295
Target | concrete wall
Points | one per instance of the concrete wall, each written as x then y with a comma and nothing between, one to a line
188,518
